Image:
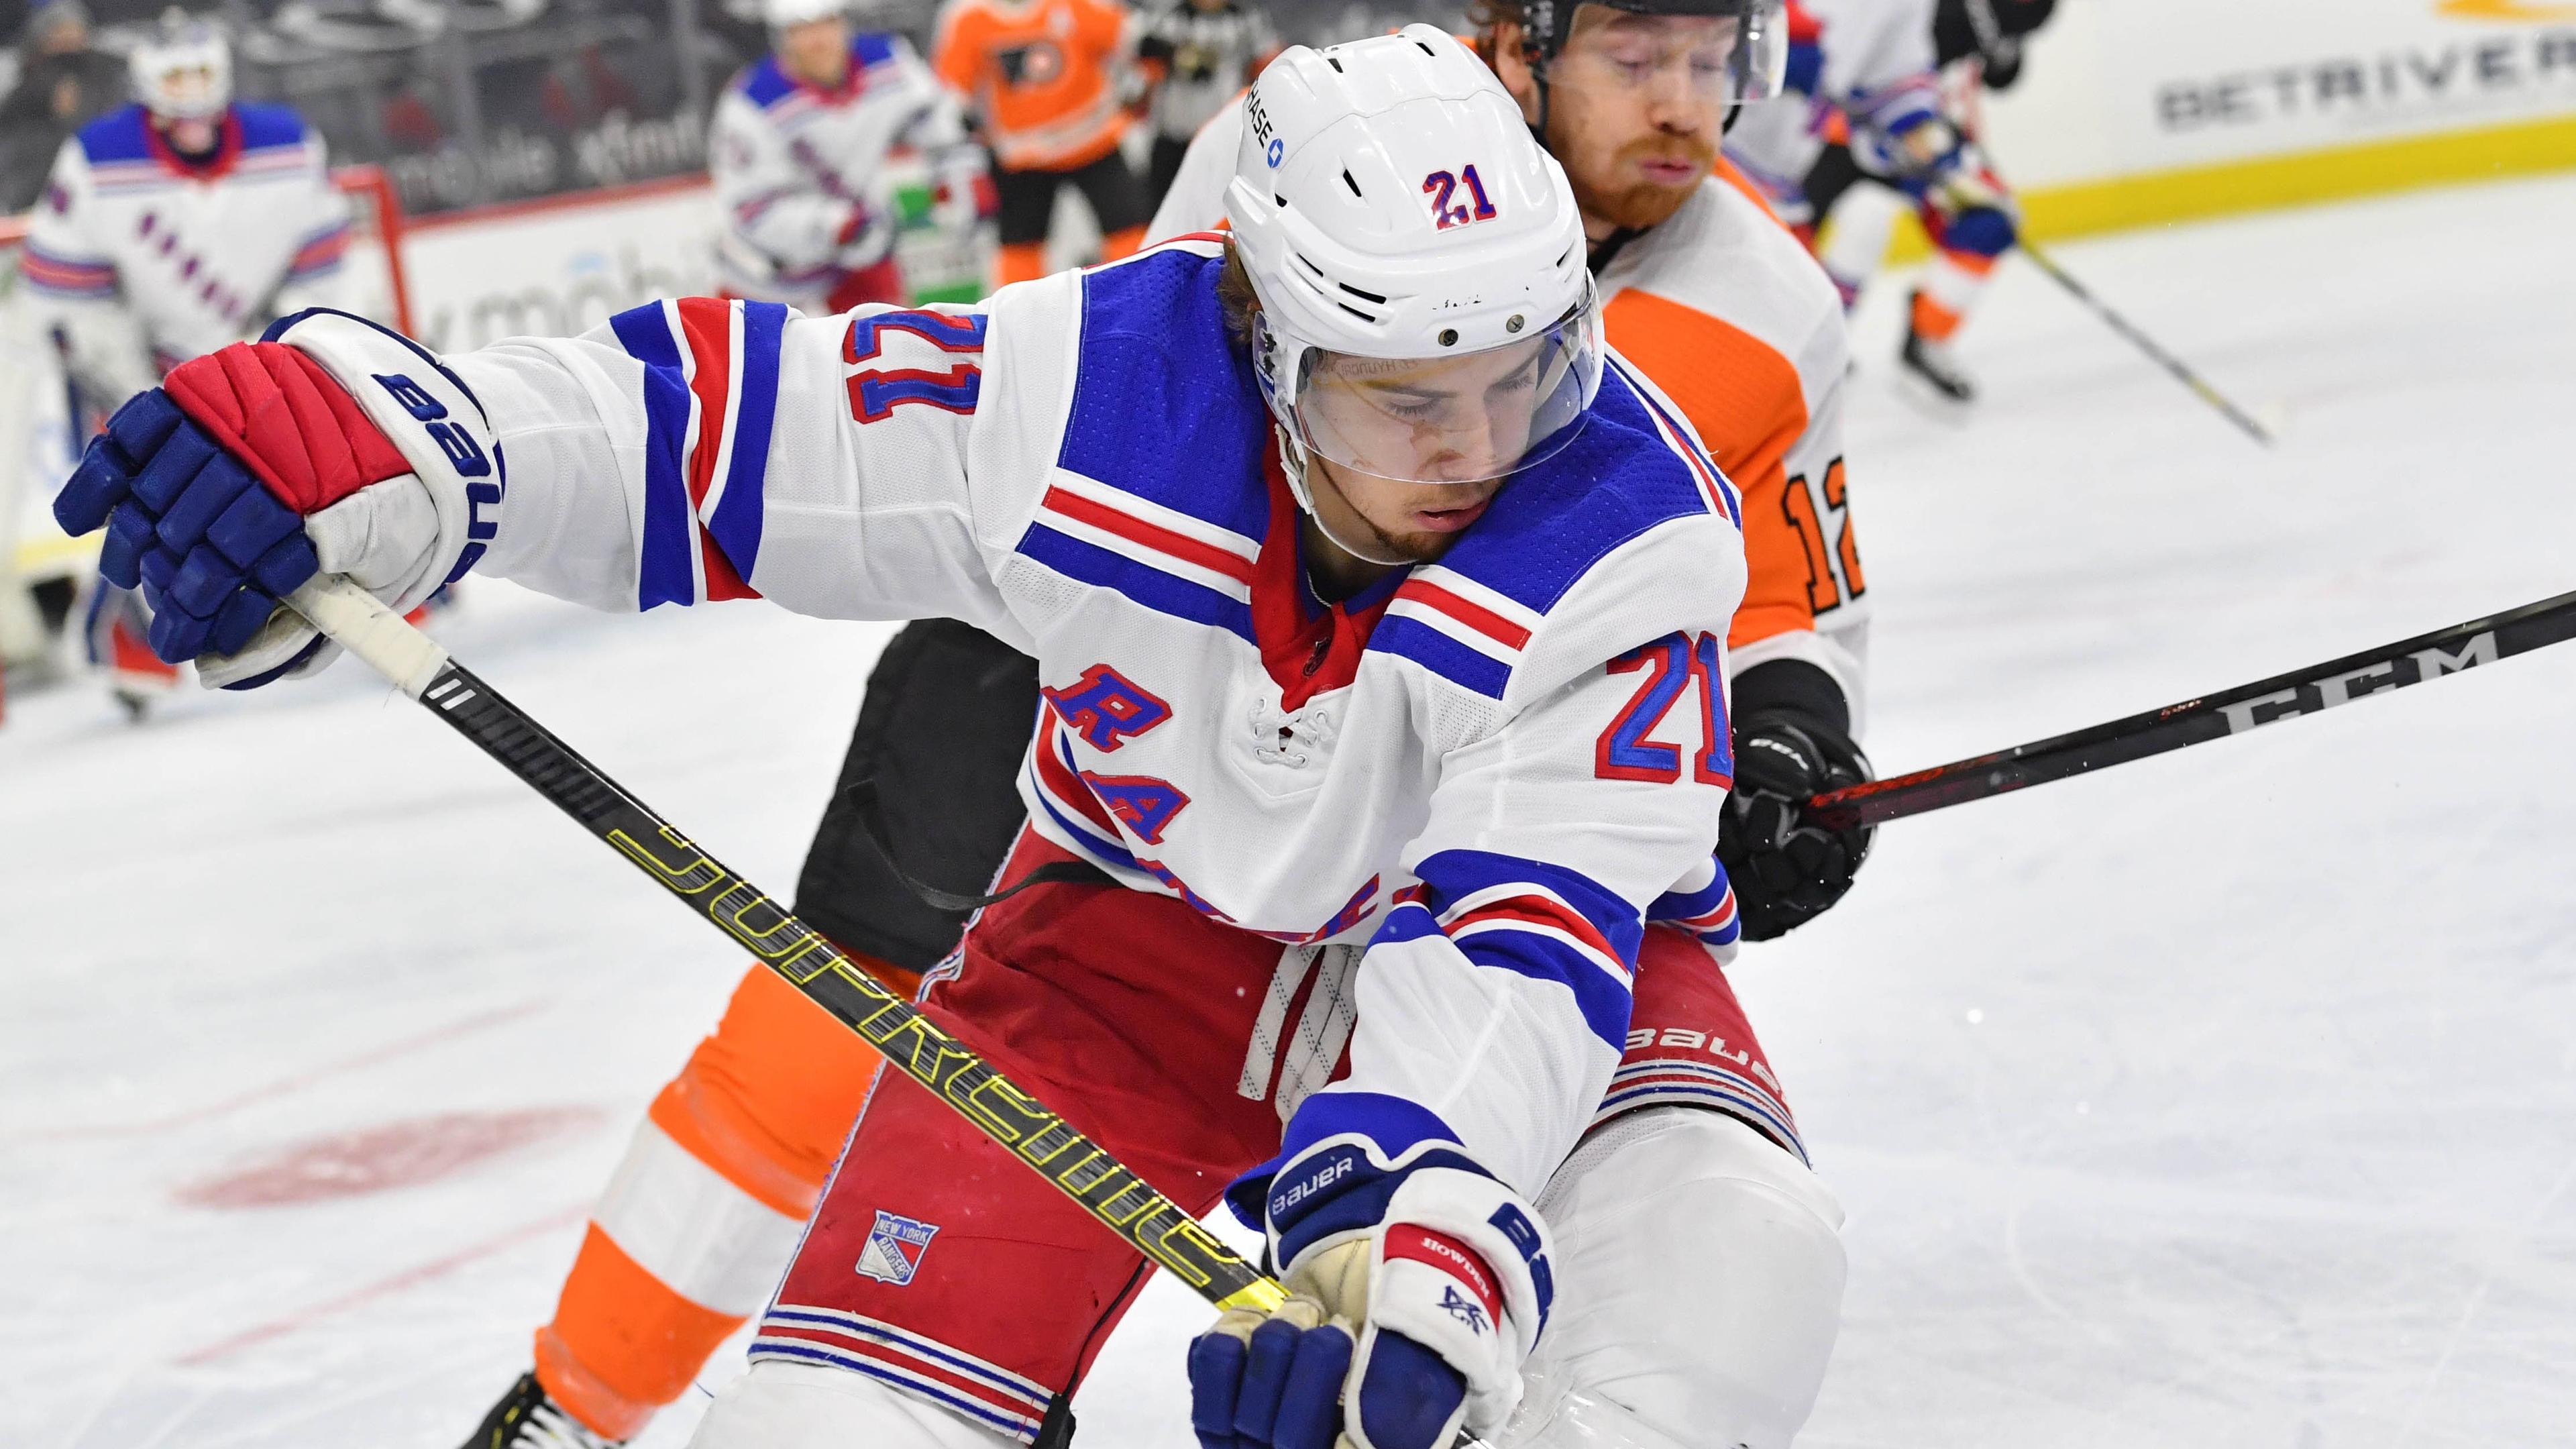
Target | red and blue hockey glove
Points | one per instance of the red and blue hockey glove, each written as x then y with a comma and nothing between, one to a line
249,470
1399,1333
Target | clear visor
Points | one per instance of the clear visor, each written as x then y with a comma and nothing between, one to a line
1712,59
1460,419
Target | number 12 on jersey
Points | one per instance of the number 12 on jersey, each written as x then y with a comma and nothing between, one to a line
1627,750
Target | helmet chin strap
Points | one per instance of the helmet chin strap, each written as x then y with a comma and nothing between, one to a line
1293,461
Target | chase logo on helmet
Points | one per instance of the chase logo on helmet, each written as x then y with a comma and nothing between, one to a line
1442,187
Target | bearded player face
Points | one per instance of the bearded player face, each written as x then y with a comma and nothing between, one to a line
1636,105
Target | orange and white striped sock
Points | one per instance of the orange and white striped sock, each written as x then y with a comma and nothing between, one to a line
706,1208
1951,285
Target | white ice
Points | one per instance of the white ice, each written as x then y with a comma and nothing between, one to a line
2227,1098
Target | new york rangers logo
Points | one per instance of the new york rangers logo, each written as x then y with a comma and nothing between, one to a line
1466,1310
1448,209
895,1248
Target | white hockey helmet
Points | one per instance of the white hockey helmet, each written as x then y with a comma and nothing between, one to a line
184,72
783,13
1427,313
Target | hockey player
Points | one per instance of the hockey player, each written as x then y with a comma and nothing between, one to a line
1980,45
1872,71
1204,52
1714,300
168,228
747,1131
798,158
1472,591
1044,77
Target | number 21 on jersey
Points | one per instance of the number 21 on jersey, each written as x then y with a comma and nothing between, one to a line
1672,666
876,391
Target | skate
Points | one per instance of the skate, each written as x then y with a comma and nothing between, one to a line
527,1419
1935,366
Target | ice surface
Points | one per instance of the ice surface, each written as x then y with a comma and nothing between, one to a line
2227,1098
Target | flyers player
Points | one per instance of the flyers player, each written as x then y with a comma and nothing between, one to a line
1871,72
1478,588
1043,78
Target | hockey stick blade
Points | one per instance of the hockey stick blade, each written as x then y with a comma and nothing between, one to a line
2212,717
917,1046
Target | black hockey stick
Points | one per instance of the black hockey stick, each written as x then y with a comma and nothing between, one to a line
953,1072
2181,371
2213,717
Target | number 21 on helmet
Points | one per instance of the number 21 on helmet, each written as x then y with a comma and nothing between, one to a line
1427,314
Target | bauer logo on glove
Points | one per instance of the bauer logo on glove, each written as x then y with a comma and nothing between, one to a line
255,467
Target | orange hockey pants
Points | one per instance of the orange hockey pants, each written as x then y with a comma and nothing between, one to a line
705,1211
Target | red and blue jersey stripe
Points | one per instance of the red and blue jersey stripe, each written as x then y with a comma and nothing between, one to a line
710,396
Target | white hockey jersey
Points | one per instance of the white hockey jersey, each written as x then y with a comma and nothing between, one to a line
1487,768
800,172
142,260
1871,62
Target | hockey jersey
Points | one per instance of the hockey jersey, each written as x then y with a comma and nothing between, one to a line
1868,65
1042,75
141,259
799,170
1723,308
1487,768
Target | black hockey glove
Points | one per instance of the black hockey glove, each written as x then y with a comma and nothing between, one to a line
1790,744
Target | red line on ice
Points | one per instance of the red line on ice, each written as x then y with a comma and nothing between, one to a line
407,1279
373,1056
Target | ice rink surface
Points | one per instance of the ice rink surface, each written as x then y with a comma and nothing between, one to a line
2227,1098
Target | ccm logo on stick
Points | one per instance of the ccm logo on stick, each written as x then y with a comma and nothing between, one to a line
2352,684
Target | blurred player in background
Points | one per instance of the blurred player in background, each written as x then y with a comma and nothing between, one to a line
1980,45
799,152
1044,79
168,228
64,83
1204,52
1872,72
1722,306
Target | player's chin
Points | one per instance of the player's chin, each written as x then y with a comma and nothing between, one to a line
1644,204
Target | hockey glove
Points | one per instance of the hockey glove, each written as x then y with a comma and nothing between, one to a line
865,238
249,470
1789,745
1398,1334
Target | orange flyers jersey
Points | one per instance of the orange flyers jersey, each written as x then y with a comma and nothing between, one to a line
1728,314
1041,73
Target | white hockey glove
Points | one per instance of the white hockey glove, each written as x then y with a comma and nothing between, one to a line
253,468
1400,1333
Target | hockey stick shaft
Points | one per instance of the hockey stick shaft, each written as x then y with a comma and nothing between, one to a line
2212,717
917,1046
2181,371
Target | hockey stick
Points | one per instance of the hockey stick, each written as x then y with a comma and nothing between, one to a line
2181,371
918,1047
2212,717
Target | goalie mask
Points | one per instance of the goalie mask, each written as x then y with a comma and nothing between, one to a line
185,71
1426,312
